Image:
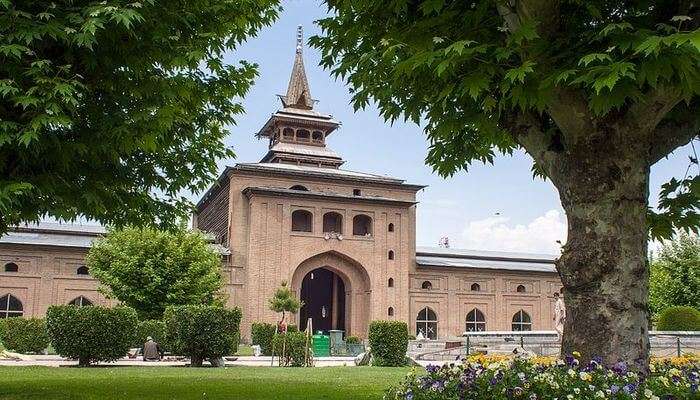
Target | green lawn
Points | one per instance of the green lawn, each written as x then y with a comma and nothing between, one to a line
248,383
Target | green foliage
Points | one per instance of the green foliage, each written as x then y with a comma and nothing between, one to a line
388,341
295,348
149,270
484,78
202,332
675,275
25,335
679,318
353,340
261,334
284,300
112,109
91,334
153,328
3,328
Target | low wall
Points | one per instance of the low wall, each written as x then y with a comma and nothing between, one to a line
663,344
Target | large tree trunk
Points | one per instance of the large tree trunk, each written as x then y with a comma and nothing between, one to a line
604,188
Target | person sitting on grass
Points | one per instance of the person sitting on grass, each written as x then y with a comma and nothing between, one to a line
151,350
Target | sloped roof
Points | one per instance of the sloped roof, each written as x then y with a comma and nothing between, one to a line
437,257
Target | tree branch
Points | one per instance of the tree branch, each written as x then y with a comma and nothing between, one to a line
643,116
528,131
676,130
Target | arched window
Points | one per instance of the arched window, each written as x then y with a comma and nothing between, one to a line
82,270
476,322
391,282
427,285
390,311
520,289
391,254
300,188
288,133
476,287
303,135
80,301
362,225
317,137
302,221
332,222
521,321
11,267
10,306
426,323
391,227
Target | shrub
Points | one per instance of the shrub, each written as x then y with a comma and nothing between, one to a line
481,378
680,318
2,331
353,340
202,332
295,349
153,328
261,334
25,335
91,334
388,341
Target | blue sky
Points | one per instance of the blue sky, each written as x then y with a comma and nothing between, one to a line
463,207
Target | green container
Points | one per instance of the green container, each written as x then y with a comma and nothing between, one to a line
321,345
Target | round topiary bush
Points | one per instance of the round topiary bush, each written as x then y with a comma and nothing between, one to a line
293,344
388,341
202,332
25,335
91,334
261,334
679,318
153,328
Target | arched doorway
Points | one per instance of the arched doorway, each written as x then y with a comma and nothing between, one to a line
350,308
323,294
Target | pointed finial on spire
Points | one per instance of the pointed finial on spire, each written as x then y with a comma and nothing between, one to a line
300,39
298,92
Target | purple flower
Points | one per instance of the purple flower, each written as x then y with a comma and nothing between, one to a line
409,395
629,388
432,368
614,389
569,360
620,368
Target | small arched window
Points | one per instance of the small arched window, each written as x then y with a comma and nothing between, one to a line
302,221
362,225
288,133
332,222
427,285
391,254
10,306
11,267
520,289
317,137
391,282
391,227
303,135
476,322
426,323
82,270
475,287
521,321
390,311
300,188
80,301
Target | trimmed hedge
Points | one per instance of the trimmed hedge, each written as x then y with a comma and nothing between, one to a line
91,334
353,340
388,341
25,335
680,318
261,334
295,348
153,328
202,332
2,332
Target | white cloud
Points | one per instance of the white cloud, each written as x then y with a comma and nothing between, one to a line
495,233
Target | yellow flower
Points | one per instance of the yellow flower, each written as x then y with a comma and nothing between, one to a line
585,376
576,354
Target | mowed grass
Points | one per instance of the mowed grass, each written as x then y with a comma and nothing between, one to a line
236,382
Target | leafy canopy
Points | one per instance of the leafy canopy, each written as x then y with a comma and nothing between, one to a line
149,270
109,109
284,300
486,76
675,275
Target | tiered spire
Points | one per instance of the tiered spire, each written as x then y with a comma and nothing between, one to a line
298,93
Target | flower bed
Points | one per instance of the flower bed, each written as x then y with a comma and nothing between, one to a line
482,378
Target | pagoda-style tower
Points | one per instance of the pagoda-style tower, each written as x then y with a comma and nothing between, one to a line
297,132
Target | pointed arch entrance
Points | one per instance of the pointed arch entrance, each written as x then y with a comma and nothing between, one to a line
336,291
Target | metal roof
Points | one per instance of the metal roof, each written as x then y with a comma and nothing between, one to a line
303,149
292,193
318,171
489,260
